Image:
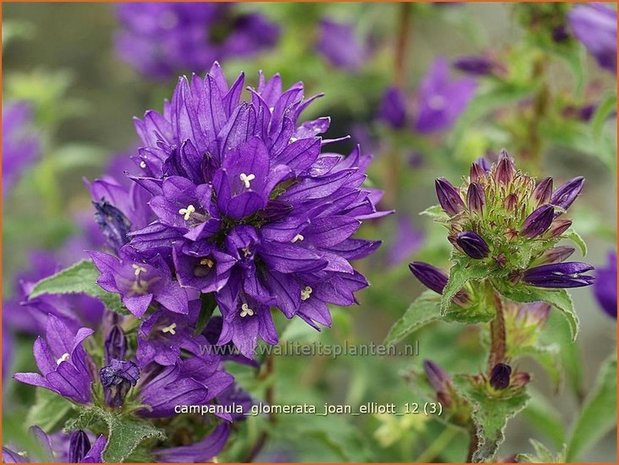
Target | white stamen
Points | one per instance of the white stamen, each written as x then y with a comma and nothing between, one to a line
298,237
245,310
23,453
207,262
137,269
306,293
187,212
64,358
169,329
142,164
246,252
246,179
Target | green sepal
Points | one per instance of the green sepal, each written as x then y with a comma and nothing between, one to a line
459,275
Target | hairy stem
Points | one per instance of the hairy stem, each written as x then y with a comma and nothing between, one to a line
269,399
402,43
473,443
497,335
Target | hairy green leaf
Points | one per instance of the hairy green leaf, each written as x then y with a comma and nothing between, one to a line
598,415
423,310
542,454
460,274
80,278
124,432
49,411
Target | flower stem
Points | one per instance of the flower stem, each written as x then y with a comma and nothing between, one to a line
402,44
269,399
533,150
437,446
473,443
497,334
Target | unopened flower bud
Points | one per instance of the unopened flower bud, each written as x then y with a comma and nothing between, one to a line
475,197
113,224
435,279
565,195
475,65
556,255
117,378
559,226
448,197
472,244
499,378
559,275
543,191
520,379
505,169
511,202
79,446
115,345
437,377
538,221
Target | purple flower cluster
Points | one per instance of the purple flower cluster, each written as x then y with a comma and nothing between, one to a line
440,101
512,223
20,145
595,25
238,199
164,39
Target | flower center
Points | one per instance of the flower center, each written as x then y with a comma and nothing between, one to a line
64,358
246,179
169,329
245,311
207,262
298,237
137,269
187,212
306,293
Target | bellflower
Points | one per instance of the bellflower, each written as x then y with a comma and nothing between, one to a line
163,39
20,145
595,25
441,99
392,108
247,206
605,287
65,366
200,452
339,44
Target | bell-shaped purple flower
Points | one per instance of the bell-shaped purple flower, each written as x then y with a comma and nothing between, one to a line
473,244
543,191
538,221
392,108
79,445
448,196
605,287
65,366
559,275
565,195
595,25
441,99
475,197
339,44
117,378
500,376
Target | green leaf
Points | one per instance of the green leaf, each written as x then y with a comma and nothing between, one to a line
80,278
542,454
558,298
423,310
49,410
576,239
606,107
124,432
490,414
598,416
460,274
437,213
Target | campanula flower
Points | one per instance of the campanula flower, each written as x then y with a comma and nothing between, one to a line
595,25
605,287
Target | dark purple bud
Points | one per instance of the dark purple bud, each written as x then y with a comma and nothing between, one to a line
558,227
556,255
479,168
435,279
499,378
565,195
437,377
79,446
505,169
538,222
543,191
115,345
117,378
560,34
392,109
472,244
476,65
448,197
559,275
113,224
475,197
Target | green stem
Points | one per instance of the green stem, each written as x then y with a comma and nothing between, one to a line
436,447
269,398
402,43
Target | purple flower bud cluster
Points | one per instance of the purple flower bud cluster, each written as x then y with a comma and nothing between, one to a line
162,40
236,198
503,217
440,101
